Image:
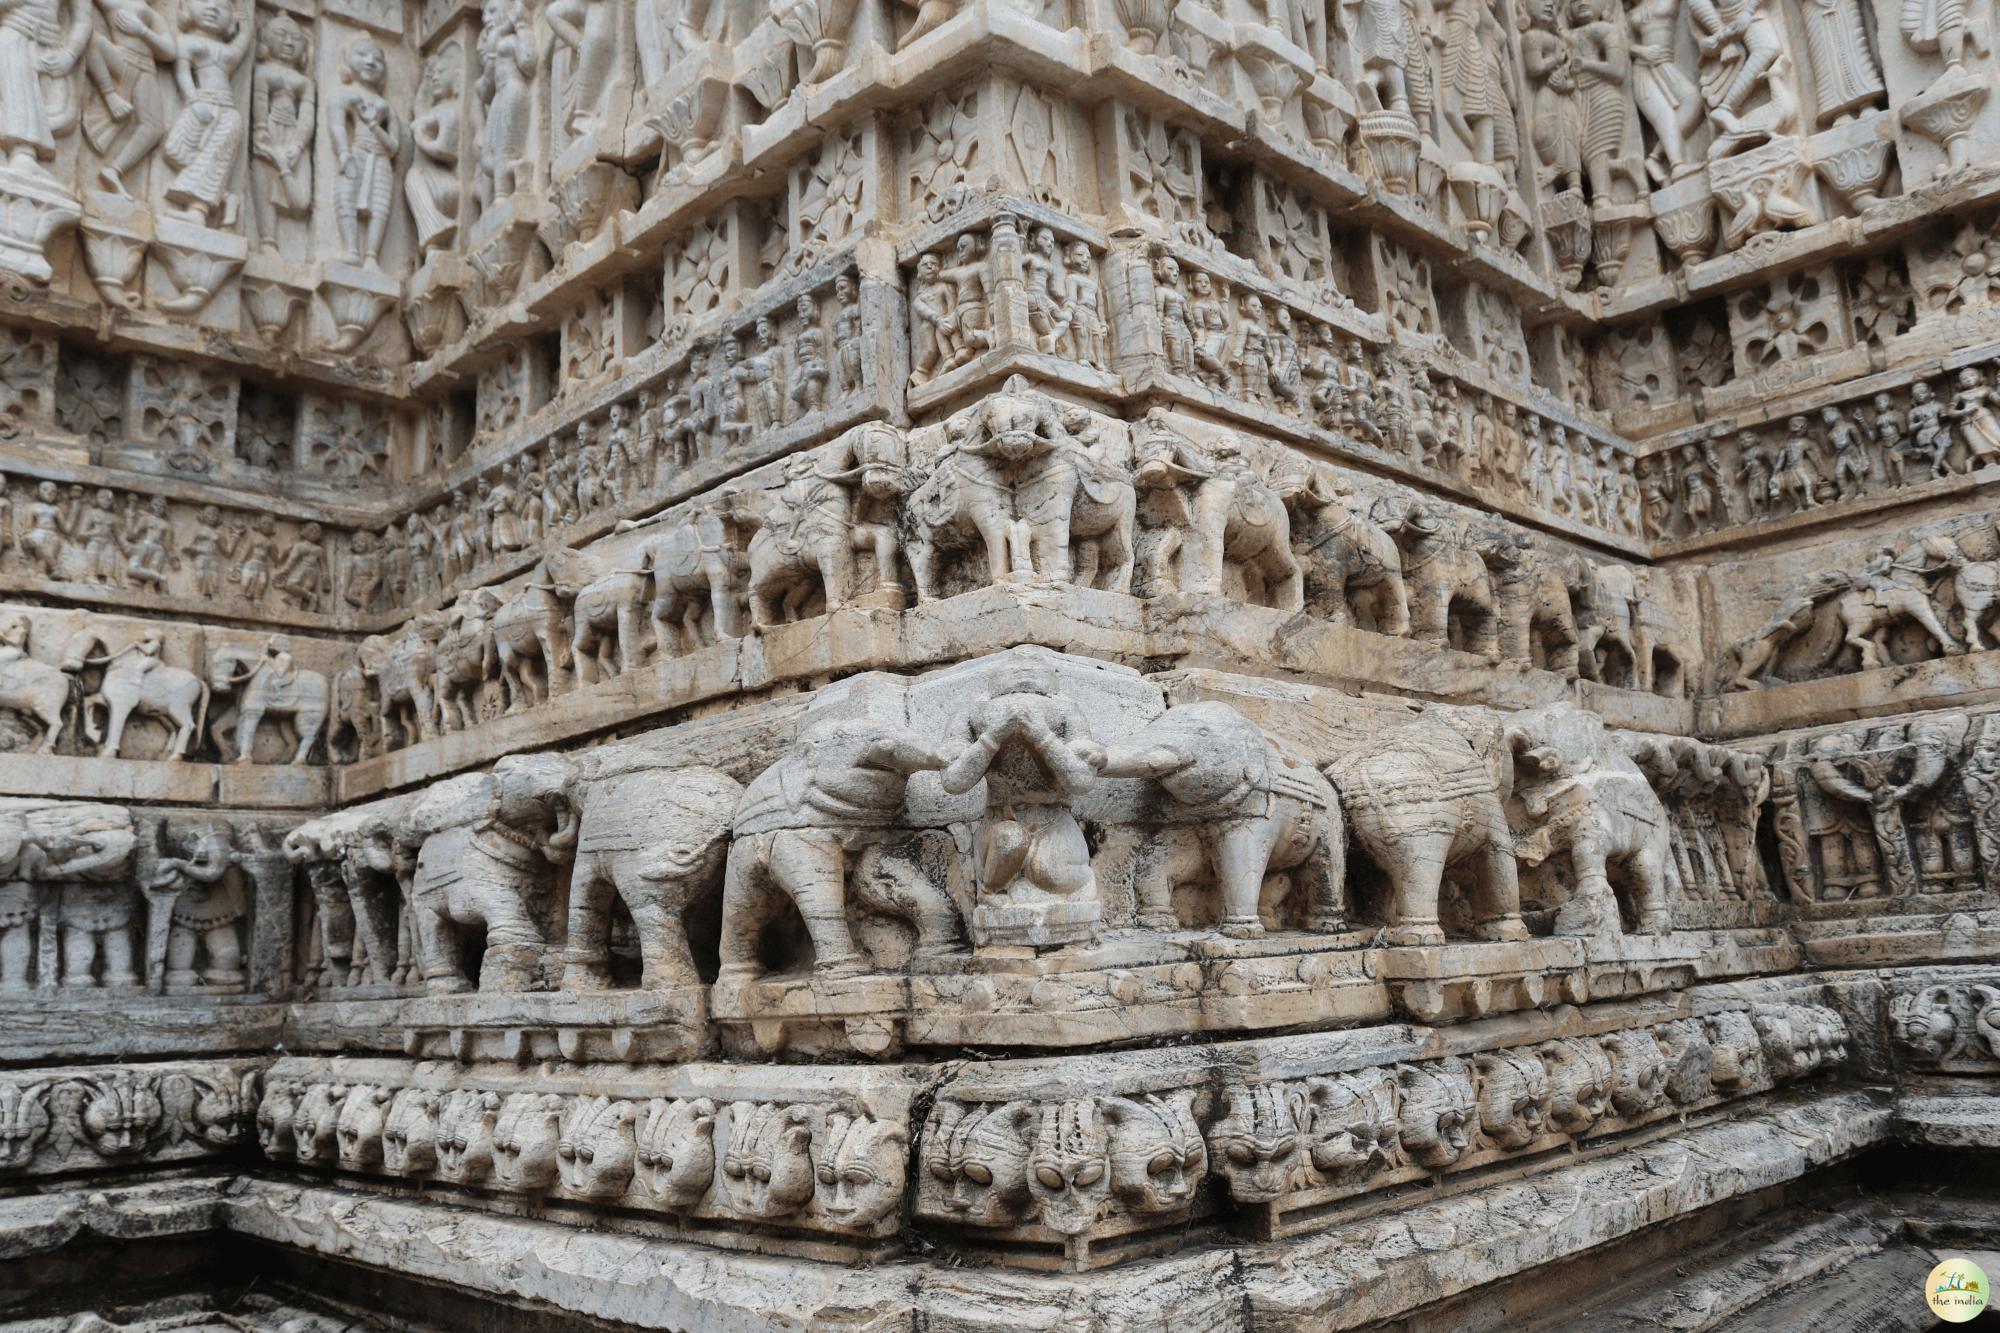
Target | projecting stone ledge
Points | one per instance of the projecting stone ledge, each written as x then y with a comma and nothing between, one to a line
1355,1274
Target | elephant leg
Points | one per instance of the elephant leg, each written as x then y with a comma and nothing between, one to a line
513,944
923,559
722,602
1323,874
119,969
911,896
79,957
1153,883
1392,614
552,654
1116,555
1242,852
1163,564
180,958
665,633
1048,548
1431,613
1652,909
1288,587
666,962
225,956
629,646
1416,868
586,959
1592,908
811,866
16,948
836,573
994,533
749,901
437,941
1499,881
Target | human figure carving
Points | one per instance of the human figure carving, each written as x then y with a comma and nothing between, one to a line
206,136
126,120
283,113
366,139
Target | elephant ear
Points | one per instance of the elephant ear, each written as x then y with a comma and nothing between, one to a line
794,780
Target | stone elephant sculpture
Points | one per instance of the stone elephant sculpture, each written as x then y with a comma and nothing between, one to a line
1259,810
404,669
486,844
1007,484
607,628
1451,592
812,822
698,573
655,838
1421,801
1585,796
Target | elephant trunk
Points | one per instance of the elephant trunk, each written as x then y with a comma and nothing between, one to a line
561,844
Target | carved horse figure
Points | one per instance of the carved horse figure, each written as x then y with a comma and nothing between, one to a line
266,683
529,639
1976,585
136,681
1886,593
464,658
35,688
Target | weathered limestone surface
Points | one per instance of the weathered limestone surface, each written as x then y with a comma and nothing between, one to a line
996,664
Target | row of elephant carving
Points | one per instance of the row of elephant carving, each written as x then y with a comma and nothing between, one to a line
952,830
820,1165
1019,489
1039,1168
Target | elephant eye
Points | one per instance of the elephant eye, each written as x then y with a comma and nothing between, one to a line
1163,1161
762,1173
1240,1152
1049,1177
1091,1174
824,1175
978,1174
588,1155
942,1171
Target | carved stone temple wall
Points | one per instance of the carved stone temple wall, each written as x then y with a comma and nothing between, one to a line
963,666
